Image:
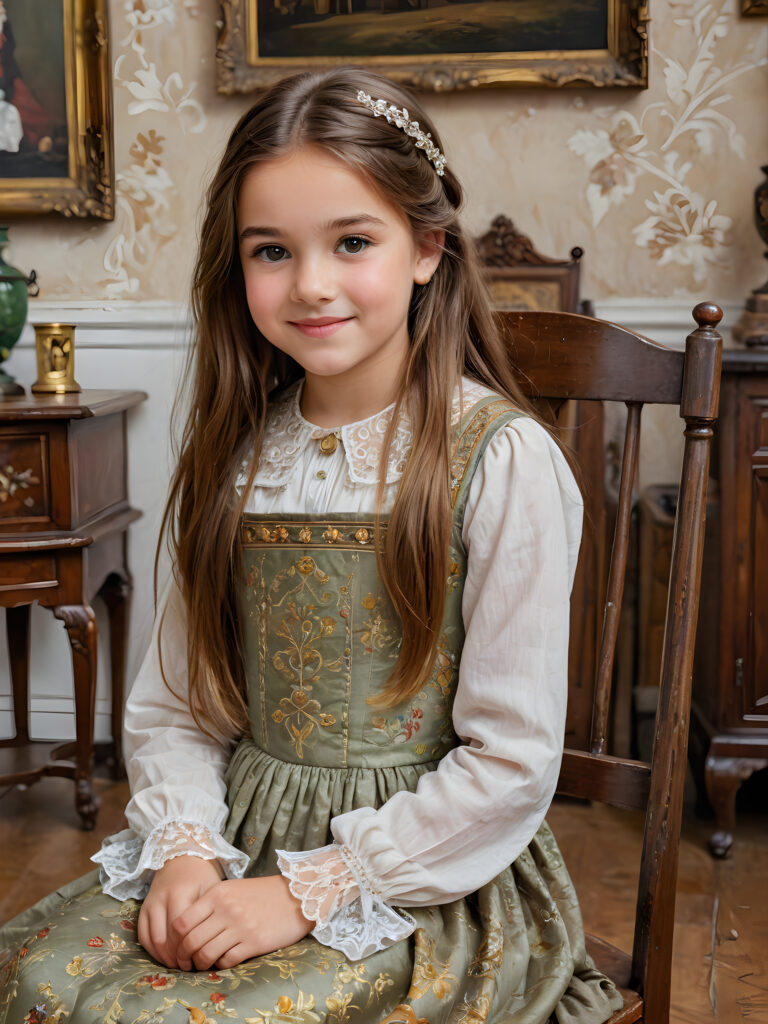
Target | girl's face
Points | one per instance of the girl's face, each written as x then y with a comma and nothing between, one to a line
329,266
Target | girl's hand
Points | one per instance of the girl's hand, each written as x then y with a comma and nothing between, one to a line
178,884
239,919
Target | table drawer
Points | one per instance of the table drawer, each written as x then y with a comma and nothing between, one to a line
25,574
25,492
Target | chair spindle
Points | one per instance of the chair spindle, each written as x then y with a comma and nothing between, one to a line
616,576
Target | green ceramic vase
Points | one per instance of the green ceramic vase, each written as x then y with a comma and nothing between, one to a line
13,313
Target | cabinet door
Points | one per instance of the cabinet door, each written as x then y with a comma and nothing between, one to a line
750,665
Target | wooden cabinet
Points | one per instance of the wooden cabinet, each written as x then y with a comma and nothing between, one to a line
730,681
64,513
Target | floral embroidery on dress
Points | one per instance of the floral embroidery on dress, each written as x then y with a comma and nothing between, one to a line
470,438
446,667
301,661
487,962
429,973
302,636
401,725
296,1009
255,533
399,728
380,630
136,990
475,1012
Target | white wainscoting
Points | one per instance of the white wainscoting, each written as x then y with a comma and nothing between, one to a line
143,345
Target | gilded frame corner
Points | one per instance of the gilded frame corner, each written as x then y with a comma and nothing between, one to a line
754,8
88,190
624,62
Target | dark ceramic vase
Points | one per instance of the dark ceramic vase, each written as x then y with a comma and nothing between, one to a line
13,312
761,214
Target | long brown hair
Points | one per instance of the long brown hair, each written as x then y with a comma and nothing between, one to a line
232,369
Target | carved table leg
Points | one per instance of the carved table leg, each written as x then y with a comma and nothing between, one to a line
80,623
17,627
724,775
116,594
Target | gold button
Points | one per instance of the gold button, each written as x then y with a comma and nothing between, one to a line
329,444
320,474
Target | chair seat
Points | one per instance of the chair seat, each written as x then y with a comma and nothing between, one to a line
617,966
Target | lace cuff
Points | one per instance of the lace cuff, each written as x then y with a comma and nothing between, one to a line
336,892
128,863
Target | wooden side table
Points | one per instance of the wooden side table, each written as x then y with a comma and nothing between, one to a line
64,516
729,724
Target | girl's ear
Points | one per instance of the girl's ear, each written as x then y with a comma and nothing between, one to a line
429,252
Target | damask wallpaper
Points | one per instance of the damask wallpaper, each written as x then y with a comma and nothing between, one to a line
655,185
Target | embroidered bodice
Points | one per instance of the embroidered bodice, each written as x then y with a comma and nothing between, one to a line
322,637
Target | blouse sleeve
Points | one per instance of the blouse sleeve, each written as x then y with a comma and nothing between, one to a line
522,530
175,771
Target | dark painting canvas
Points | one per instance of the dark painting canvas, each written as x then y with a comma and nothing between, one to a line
33,114
365,29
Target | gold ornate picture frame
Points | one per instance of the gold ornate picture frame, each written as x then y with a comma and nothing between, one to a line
754,8
56,145
437,44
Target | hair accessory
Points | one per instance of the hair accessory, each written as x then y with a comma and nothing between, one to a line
401,118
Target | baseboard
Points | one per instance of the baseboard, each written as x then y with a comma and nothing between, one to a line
52,718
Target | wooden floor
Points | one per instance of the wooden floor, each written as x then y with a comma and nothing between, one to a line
720,968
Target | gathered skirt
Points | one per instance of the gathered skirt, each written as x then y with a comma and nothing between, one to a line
511,953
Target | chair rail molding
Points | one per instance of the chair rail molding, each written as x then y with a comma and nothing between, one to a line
156,324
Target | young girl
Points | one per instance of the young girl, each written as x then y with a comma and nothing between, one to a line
354,700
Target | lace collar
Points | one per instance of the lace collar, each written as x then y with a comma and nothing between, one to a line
287,434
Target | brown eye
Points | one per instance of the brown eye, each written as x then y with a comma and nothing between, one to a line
271,253
353,245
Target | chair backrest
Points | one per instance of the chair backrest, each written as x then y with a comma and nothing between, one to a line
519,277
565,356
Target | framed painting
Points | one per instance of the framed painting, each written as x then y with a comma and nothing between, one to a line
437,44
55,108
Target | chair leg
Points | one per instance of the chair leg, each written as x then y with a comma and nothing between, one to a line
80,623
17,628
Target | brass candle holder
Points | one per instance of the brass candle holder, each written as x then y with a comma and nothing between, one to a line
55,347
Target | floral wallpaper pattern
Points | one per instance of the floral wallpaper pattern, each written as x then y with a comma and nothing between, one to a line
655,185
145,217
685,227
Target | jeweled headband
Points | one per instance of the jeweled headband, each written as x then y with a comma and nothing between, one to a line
401,118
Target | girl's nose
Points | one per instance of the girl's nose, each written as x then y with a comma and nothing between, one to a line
313,281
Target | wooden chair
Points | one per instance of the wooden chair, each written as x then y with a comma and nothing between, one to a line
562,356
519,277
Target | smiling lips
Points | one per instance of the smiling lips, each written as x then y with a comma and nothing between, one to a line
320,327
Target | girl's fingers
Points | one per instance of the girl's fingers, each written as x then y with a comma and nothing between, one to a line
198,937
157,935
192,916
178,956
207,955
235,956
142,932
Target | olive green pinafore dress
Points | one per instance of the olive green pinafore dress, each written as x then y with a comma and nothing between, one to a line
321,637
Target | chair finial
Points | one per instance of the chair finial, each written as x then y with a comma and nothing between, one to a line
707,314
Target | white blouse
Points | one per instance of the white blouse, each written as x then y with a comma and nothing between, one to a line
522,528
